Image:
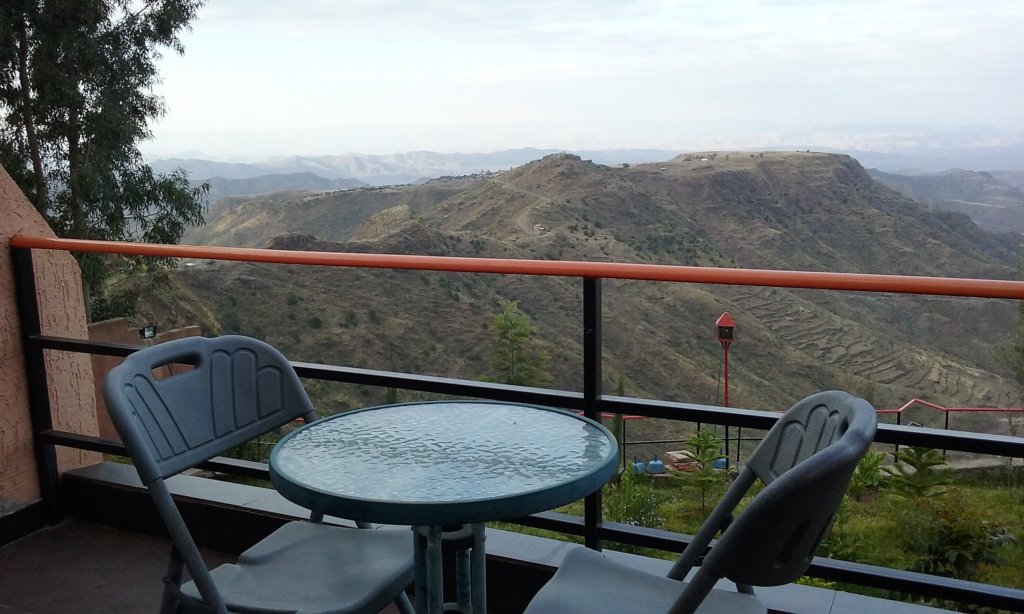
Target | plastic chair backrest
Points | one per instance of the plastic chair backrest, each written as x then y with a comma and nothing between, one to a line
239,388
806,462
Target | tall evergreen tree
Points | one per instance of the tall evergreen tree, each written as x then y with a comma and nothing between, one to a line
517,356
76,98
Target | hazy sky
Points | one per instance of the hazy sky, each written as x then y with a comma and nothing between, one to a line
264,77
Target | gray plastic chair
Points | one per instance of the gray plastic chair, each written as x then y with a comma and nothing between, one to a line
240,388
805,461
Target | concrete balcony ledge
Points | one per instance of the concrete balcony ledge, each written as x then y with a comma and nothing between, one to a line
196,489
111,493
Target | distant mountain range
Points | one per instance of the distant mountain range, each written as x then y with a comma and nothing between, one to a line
334,172
221,187
392,169
786,210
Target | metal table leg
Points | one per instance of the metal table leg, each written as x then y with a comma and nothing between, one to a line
463,582
466,543
428,573
419,560
435,572
479,570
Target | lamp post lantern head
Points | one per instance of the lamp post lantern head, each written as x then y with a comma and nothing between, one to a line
726,328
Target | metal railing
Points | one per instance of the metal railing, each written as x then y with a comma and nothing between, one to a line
591,401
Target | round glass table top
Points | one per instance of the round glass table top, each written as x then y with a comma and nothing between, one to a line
444,462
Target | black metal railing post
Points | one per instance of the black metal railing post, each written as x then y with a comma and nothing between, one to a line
899,415
947,428
38,387
592,395
726,446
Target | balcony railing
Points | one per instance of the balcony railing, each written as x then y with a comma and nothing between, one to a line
591,401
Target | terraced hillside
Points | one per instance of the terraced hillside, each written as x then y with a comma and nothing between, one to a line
784,211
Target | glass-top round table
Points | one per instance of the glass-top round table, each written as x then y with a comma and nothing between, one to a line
443,463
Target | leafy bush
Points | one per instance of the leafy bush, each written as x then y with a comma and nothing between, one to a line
868,475
950,538
631,501
231,323
106,307
351,320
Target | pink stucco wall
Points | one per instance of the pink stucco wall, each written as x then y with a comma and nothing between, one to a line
71,382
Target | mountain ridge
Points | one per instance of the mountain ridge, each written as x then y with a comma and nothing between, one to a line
736,209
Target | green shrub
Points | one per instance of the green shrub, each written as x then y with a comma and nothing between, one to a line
351,320
114,305
231,323
949,537
631,501
868,475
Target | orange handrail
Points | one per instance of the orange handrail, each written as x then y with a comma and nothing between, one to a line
860,282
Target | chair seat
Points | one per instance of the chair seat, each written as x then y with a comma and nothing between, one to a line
589,583
309,567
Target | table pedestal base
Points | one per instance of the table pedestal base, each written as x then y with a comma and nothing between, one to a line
467,544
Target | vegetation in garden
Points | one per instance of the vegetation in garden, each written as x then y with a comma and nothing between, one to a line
706,449
631,500
916,474
867,477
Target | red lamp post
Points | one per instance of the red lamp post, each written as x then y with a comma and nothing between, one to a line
726,328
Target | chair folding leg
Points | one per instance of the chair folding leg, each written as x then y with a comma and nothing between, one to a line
404,605
694,593
170,600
